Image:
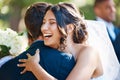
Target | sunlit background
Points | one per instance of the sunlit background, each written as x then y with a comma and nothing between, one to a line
12,11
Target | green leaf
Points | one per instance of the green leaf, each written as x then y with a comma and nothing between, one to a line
4,51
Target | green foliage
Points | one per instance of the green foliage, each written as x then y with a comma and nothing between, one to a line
15,10
24,3
4,51
54,1
4,2
3,24
20,5
87,11
117,3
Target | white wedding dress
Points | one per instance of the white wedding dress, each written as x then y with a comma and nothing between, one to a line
99,39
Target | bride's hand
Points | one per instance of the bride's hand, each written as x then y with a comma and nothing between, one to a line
31,61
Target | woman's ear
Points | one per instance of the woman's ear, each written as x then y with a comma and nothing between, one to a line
70,28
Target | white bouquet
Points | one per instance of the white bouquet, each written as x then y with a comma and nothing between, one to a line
12,43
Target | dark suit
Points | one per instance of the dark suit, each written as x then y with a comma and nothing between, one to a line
56,63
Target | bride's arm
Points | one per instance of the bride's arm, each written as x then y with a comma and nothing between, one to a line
83,70
40,73
85,65
32,64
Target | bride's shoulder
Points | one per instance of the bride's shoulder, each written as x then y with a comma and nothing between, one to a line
88,49
88,52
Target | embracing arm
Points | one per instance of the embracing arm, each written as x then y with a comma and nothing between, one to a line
85,65
32,64
40,73
83,70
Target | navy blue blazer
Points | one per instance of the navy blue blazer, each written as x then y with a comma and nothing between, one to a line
56,63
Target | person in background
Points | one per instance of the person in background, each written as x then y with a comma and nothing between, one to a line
105,11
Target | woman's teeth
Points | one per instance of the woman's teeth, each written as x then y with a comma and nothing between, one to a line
47,35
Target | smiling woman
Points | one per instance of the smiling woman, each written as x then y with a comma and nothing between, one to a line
64,29
51,35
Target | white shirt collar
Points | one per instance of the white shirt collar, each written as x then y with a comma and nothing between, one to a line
100,19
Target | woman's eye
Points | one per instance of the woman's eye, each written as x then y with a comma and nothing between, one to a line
52,22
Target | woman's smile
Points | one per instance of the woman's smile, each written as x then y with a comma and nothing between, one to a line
50,31
47,36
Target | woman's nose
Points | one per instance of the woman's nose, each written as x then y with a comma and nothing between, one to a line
45,26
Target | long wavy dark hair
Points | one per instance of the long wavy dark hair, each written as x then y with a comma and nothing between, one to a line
65,14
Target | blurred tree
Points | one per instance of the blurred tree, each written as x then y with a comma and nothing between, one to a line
117,3
87,11
10,11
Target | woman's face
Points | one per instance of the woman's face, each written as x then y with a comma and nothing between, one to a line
49,29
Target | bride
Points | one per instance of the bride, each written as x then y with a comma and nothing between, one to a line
100,42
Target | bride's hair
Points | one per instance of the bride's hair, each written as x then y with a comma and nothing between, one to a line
66,14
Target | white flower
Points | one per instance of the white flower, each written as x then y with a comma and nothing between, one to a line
17,43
